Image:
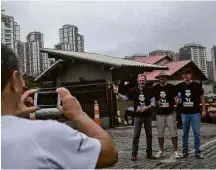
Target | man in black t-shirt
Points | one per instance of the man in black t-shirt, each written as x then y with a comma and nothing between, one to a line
165,95
141,97
190,95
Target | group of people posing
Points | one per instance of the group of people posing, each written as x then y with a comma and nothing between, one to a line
187,95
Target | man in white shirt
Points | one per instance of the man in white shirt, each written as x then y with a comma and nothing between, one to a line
47,144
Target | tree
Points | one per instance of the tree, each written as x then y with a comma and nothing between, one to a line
214,87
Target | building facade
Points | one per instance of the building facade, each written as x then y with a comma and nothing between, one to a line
10,35
213,51
210,70
7,30
36,62
20,50
80,43
16,31
176,57
19,47
136,55
70,39
64,46
196,53
169,53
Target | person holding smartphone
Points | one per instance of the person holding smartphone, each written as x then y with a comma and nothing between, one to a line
141,97
38,144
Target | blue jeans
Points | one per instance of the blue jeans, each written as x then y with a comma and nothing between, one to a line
195,121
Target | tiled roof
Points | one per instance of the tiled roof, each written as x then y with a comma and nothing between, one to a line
104,59
92,57
150,60
173,66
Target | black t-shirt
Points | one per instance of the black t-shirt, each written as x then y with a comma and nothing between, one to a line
140,98
165,94
190,97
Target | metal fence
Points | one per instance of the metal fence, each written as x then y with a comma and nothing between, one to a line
86,94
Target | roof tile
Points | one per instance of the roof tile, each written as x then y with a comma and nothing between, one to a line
173,66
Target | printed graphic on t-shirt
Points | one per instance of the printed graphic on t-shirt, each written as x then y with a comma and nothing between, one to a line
141,100
163,100
187,102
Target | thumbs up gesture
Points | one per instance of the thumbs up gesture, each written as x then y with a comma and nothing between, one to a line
115,89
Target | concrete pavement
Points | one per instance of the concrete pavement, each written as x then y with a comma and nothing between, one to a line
122,137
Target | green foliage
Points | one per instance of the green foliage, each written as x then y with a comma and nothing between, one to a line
214,86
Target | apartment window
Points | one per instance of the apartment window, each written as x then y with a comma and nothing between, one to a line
61,35
7,35
7,31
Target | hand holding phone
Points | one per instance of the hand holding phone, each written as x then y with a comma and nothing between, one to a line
47,99
25,105
71,106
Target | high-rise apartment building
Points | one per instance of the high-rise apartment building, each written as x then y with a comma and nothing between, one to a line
20,50
210,70
64,46
162,52
70,39
176,57
16,32
36,61
7,32
19,47
136,55
80,43
213,51
196,53
10,35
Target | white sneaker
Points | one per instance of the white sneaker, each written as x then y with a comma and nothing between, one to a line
176,155
160,154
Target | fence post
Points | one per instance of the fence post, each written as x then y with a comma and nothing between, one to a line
97,113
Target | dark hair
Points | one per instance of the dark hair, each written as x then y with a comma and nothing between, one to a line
9,63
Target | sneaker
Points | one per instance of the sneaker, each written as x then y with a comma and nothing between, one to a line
133,158
176,155
198,155
184,155
160,154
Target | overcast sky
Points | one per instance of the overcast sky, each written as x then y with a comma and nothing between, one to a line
120,28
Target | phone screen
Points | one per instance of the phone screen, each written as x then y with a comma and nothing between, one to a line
47,99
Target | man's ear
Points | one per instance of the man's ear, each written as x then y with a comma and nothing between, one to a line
15,81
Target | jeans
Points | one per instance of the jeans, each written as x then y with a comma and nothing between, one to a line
138,121
195,121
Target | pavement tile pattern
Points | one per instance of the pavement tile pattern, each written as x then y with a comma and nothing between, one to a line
123,136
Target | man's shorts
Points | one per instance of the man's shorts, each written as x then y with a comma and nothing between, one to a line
169,121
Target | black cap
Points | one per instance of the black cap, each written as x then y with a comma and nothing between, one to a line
186,71
162,74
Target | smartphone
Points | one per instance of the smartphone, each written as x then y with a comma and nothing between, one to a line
47,99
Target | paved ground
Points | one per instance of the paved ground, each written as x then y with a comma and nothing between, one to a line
122,137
